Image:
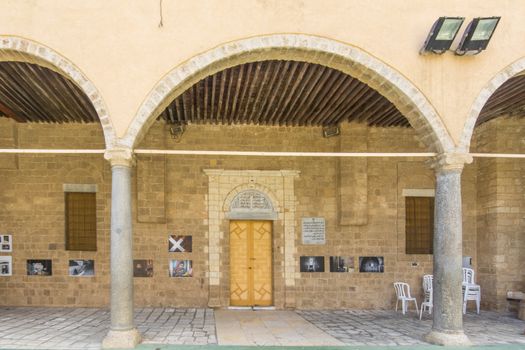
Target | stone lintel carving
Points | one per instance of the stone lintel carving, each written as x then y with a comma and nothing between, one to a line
450,162
120,156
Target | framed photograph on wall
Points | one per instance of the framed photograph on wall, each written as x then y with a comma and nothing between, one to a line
82,268
179,244
371,264
6,266
342,264
312,263
39,267
142,268
180,268
6,243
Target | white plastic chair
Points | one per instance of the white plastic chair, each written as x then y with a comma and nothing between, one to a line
403,294
427,292
471,290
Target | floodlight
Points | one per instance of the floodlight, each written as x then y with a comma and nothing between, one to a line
477,35
442,35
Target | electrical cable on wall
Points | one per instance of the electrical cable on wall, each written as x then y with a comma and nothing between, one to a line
160,10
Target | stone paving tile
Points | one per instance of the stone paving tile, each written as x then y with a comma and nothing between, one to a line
385,327
84,328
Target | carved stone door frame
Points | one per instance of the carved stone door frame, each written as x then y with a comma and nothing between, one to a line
224,186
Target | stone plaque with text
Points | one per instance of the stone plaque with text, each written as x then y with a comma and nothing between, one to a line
313,230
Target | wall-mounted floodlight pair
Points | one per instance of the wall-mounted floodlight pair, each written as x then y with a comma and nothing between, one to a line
475,38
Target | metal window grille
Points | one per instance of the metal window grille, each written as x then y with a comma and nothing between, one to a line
419,225
81,221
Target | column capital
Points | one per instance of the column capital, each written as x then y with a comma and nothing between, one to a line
120,156
450,162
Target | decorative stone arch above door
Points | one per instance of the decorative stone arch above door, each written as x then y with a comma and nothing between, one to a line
251,202
274,191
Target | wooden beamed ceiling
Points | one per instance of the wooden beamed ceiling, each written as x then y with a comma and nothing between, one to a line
282,93
509,99
262,93
32,93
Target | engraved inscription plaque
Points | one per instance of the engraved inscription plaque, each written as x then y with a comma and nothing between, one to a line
313,231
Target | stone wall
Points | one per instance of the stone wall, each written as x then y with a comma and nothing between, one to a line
32,209
501,210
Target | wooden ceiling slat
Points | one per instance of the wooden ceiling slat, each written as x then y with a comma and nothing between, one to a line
311,72
198,102
228,92
213,114
277,94
387,112
330,94
85,105
235,100
350,88
10,114
205,116
24,95
307,106
266,107
54,106
280,117
293,90
179,110
363,111
220,101
251,89
170,116
358,95
295,114
17,97
262,90
246,85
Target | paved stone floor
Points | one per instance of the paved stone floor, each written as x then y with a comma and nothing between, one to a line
280,328
84,328
385,327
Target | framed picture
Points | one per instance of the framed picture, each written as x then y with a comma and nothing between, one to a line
142,268
81,268
39,268
371,264
181,244
6,243
6,266
312,263
180,268
342,264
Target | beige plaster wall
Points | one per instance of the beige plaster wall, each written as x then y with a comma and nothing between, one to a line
121,48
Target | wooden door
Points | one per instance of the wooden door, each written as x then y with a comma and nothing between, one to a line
251,263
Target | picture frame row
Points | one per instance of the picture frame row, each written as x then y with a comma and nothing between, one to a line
374,264
176,243
86,268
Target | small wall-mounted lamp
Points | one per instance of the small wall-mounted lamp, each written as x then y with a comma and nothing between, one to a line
331,131
176,131
477,35
442,35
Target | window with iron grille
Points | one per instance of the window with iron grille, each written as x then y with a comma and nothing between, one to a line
81,221
419,225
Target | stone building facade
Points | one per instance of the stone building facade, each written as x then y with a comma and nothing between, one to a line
152,181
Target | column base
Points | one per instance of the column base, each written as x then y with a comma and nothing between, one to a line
448,339
121,339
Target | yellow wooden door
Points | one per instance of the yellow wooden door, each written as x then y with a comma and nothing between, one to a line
251,263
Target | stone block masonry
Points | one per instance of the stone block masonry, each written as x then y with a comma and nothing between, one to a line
172,195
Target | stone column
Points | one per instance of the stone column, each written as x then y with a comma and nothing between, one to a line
122,333
447,327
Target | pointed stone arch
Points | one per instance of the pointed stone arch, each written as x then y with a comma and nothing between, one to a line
313,49
14,48
490,88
